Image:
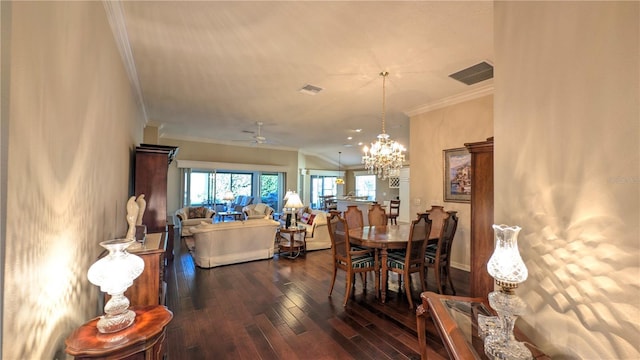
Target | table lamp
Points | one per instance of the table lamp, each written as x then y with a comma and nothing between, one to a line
114,274
228,197
508,269
293,203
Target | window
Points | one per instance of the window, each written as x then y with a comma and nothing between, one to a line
321,186
201,189
207,187
366,186
269,187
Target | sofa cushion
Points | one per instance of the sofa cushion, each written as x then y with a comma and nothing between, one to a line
193,222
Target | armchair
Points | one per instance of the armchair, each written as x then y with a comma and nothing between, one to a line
240,202
191,216
257,211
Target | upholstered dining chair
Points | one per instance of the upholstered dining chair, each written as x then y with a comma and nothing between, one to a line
354,217
438,256
394,212
412,259
377,215
347,259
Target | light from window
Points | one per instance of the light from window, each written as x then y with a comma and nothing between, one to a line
366,186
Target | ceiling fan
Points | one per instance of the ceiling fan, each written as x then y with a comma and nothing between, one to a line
257,138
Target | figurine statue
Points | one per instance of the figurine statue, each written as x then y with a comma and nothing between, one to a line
142,205
132,215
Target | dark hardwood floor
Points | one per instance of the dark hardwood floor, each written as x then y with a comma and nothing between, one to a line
279,309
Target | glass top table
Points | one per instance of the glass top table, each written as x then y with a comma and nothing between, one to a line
456,320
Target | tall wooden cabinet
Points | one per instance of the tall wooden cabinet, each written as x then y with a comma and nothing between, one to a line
151,167
481,216
150,287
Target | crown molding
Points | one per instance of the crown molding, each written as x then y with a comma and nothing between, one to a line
452,100
115,16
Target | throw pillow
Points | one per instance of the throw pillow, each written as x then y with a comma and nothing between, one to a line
305,218
302,211
260,208
197,212
311,218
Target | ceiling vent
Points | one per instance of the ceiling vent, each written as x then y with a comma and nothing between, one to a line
474,74
310,89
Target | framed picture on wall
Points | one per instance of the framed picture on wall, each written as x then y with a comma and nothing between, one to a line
457,175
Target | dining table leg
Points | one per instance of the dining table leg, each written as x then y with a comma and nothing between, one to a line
383,275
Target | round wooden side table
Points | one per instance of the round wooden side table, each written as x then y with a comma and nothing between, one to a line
145,339
292,247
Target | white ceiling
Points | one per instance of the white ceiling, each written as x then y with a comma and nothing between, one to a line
209,70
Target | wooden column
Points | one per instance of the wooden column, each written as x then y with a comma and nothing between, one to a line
481,216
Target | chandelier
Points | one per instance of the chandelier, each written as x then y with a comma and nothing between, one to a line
385,157
339,180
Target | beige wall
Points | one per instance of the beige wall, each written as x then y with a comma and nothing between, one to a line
567,169
432,132
72,125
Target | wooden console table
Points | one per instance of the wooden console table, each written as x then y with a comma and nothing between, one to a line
144,340
456,320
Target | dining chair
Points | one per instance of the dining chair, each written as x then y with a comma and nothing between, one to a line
348,259
394,212
412,259
437,214
354,217
377,215
438,256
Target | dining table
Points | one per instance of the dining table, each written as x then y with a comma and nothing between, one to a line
383,238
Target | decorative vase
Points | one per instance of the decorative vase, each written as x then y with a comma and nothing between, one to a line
115,273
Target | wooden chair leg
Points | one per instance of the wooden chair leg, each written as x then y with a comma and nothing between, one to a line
333,281
438,280
376,278
450,281
407,287
350,279
426,275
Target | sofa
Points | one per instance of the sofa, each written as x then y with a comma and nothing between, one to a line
233,242
191,216
315,221
257,211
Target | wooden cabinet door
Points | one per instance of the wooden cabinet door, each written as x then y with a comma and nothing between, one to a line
481,216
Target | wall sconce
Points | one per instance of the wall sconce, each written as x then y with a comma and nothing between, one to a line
508,269
114,274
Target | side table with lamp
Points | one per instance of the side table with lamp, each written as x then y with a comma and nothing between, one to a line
293,202
289,244
124,332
